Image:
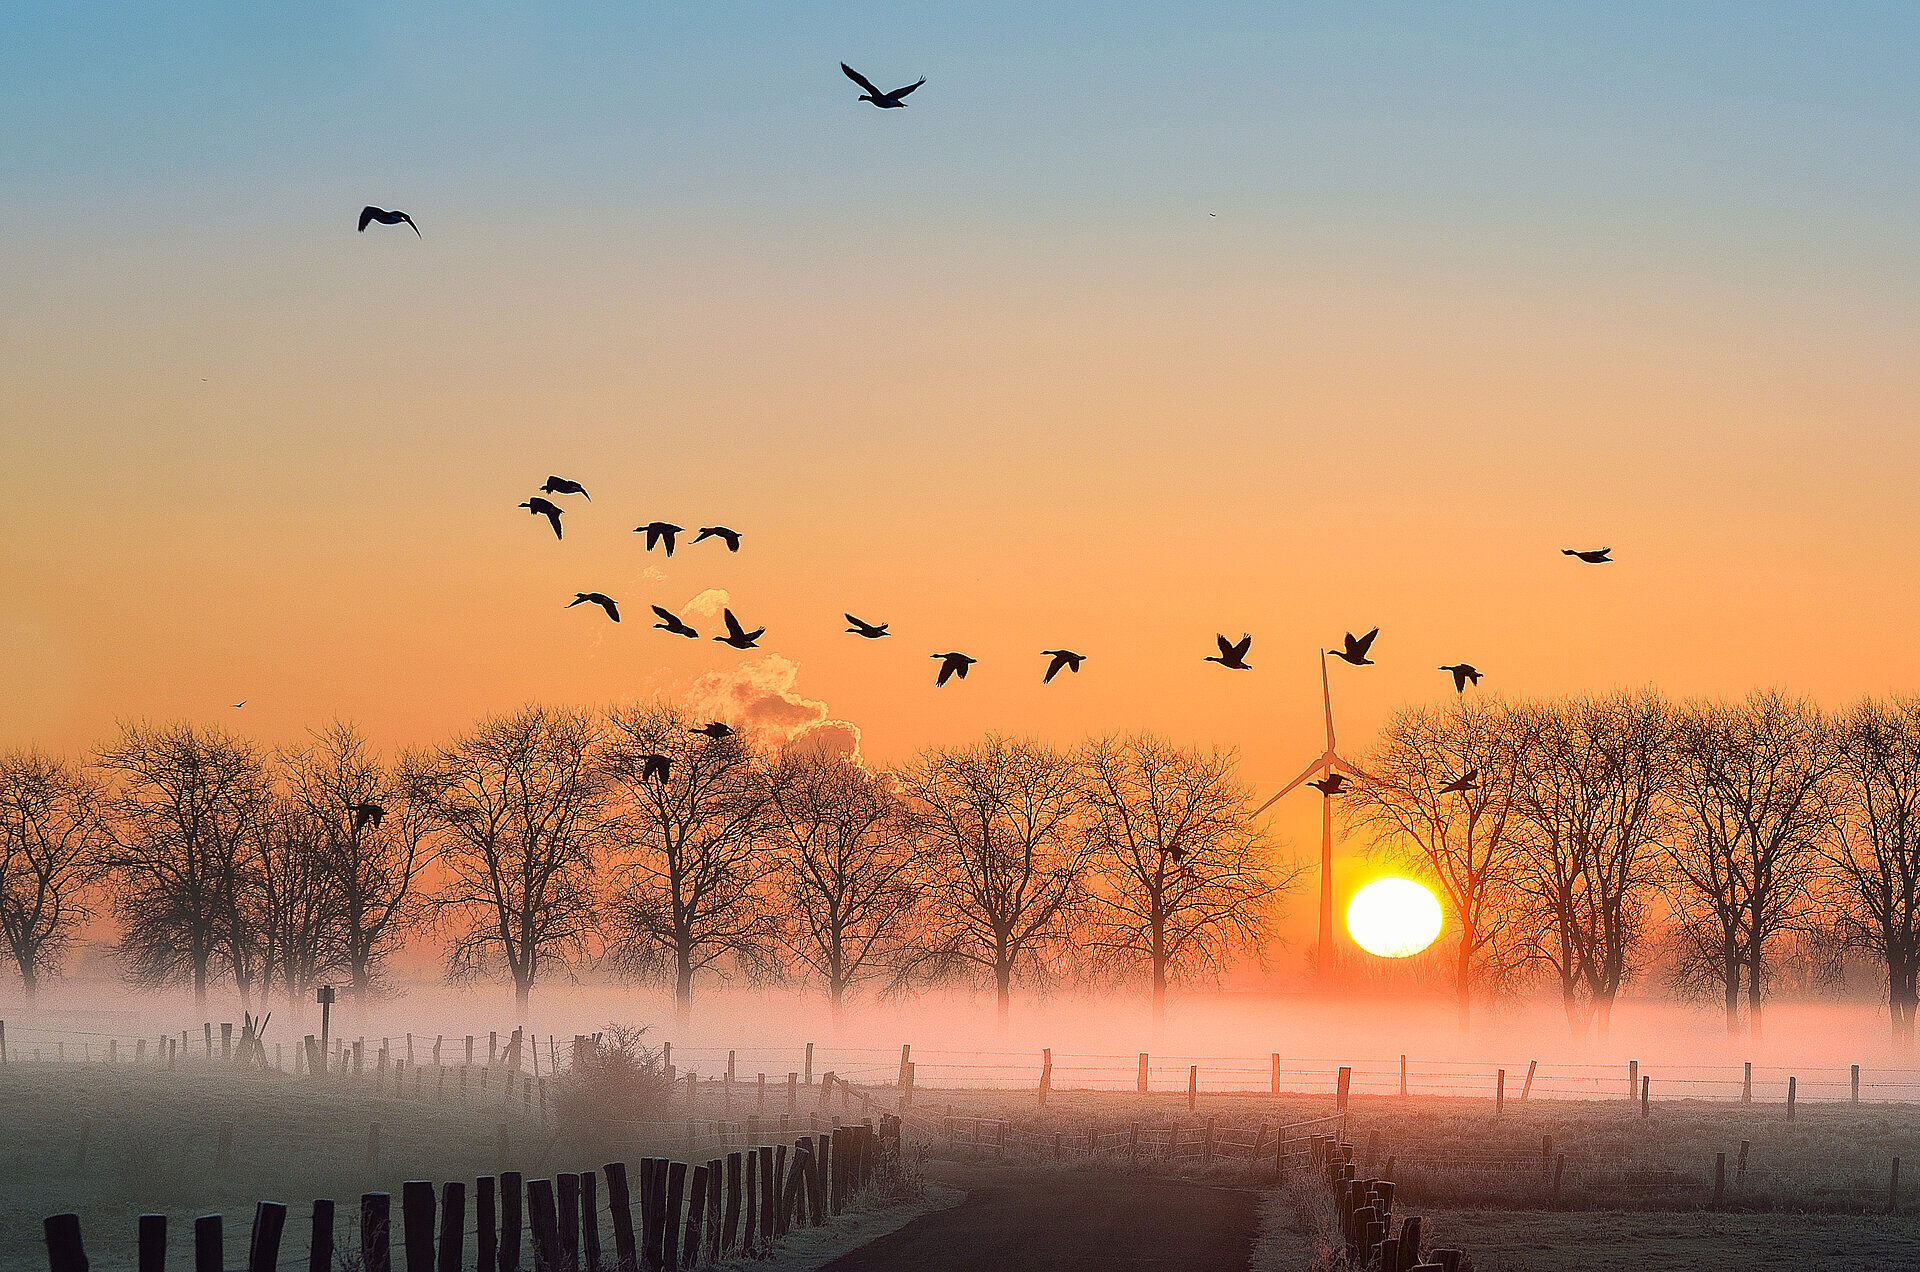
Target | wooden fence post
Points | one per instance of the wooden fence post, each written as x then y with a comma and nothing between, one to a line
1403,1075
320,1244
1193,1086
65,1253
153,1243
486,1224
263,1247
1746,1085
670,1217
1633,1078
376,1219
1275,1088
620,1210
1500,1092
1856,1084
453,1226
1527,1088
1646,1082
512,1190
417,1213
696,1218
1793,1085
1046,1072
545,1224
1142,1085
589,1221
1346,1080
730,1225
566,1217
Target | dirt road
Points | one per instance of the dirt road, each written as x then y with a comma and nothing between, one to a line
1065,1221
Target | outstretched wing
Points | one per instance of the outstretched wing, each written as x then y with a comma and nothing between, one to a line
667,616
553,515
409,221
946,673
613,610
1239,650
1365,643
859,79
1053,668
898,93
733,625
367,214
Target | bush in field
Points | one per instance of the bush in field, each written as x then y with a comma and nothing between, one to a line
898,1178
616,1080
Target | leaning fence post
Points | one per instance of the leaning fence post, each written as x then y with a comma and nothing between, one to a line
1646,1082
263,1249
1793,1085
64,1250
209,1248
153,1243
1526,1088
1346,1080
1193,1086
546,1225
620,1208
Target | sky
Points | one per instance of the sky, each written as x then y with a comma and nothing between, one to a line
1141,323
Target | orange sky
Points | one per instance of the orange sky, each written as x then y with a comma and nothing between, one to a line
251,454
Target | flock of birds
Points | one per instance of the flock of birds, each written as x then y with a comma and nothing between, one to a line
953,664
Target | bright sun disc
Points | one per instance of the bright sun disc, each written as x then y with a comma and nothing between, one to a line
1393,918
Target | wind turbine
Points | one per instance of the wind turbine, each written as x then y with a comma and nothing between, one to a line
1324,764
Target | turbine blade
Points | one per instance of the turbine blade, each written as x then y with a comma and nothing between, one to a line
1319,763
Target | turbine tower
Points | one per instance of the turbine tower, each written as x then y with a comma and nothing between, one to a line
1324,764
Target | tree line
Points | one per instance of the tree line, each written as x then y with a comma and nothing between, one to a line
1744,833
549,840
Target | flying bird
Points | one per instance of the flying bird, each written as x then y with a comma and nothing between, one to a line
1232,655
240,704
1470,781
366,813
670,622
655,766
872,631
1462,673
561,486
738,636
601,599
884,101
1061,658
658,531
1594,556
371,213
730,537
542,508
1356,650
713,732
1330,785
952,665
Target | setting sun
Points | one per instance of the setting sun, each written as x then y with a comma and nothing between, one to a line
1393,918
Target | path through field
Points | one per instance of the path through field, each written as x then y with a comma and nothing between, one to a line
1068,1221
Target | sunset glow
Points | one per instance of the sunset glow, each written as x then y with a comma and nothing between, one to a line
1393,918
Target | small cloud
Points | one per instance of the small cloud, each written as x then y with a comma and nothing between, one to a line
760,699
652,574
707,605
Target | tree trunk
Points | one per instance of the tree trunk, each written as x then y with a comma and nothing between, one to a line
837,994
1463,977
1159,994
29,977
683,990
522,989
1603,1013
1003,992
1730,981
1753,994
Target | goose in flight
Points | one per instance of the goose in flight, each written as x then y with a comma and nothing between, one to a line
670,622
1330,785
371,213
1231,654
713,732
884,101
1061,658
601,599
952,665
730,537
658,531
655,766
1469,781
1592,556
1462,673
738,636
872,631
1356,650
366,813
543,508
240,704
561,486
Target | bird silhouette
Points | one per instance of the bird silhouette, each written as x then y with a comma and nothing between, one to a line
730,537
1592,556
1470,781
655,766
713,732
243,702
885,101
1061,658
952,665
371,213
1462,673
658,531
366,813
1356,650
542,508
670,622
601,599
872,631
738,636
1330,785
1177,852
1231,654
561,486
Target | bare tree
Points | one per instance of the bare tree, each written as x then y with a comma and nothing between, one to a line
1465,841
1754,786
51,841
1875,851
1182,879
184,805
517,805
1591,781
845,869
294,905
373,820
694,857
1006,859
